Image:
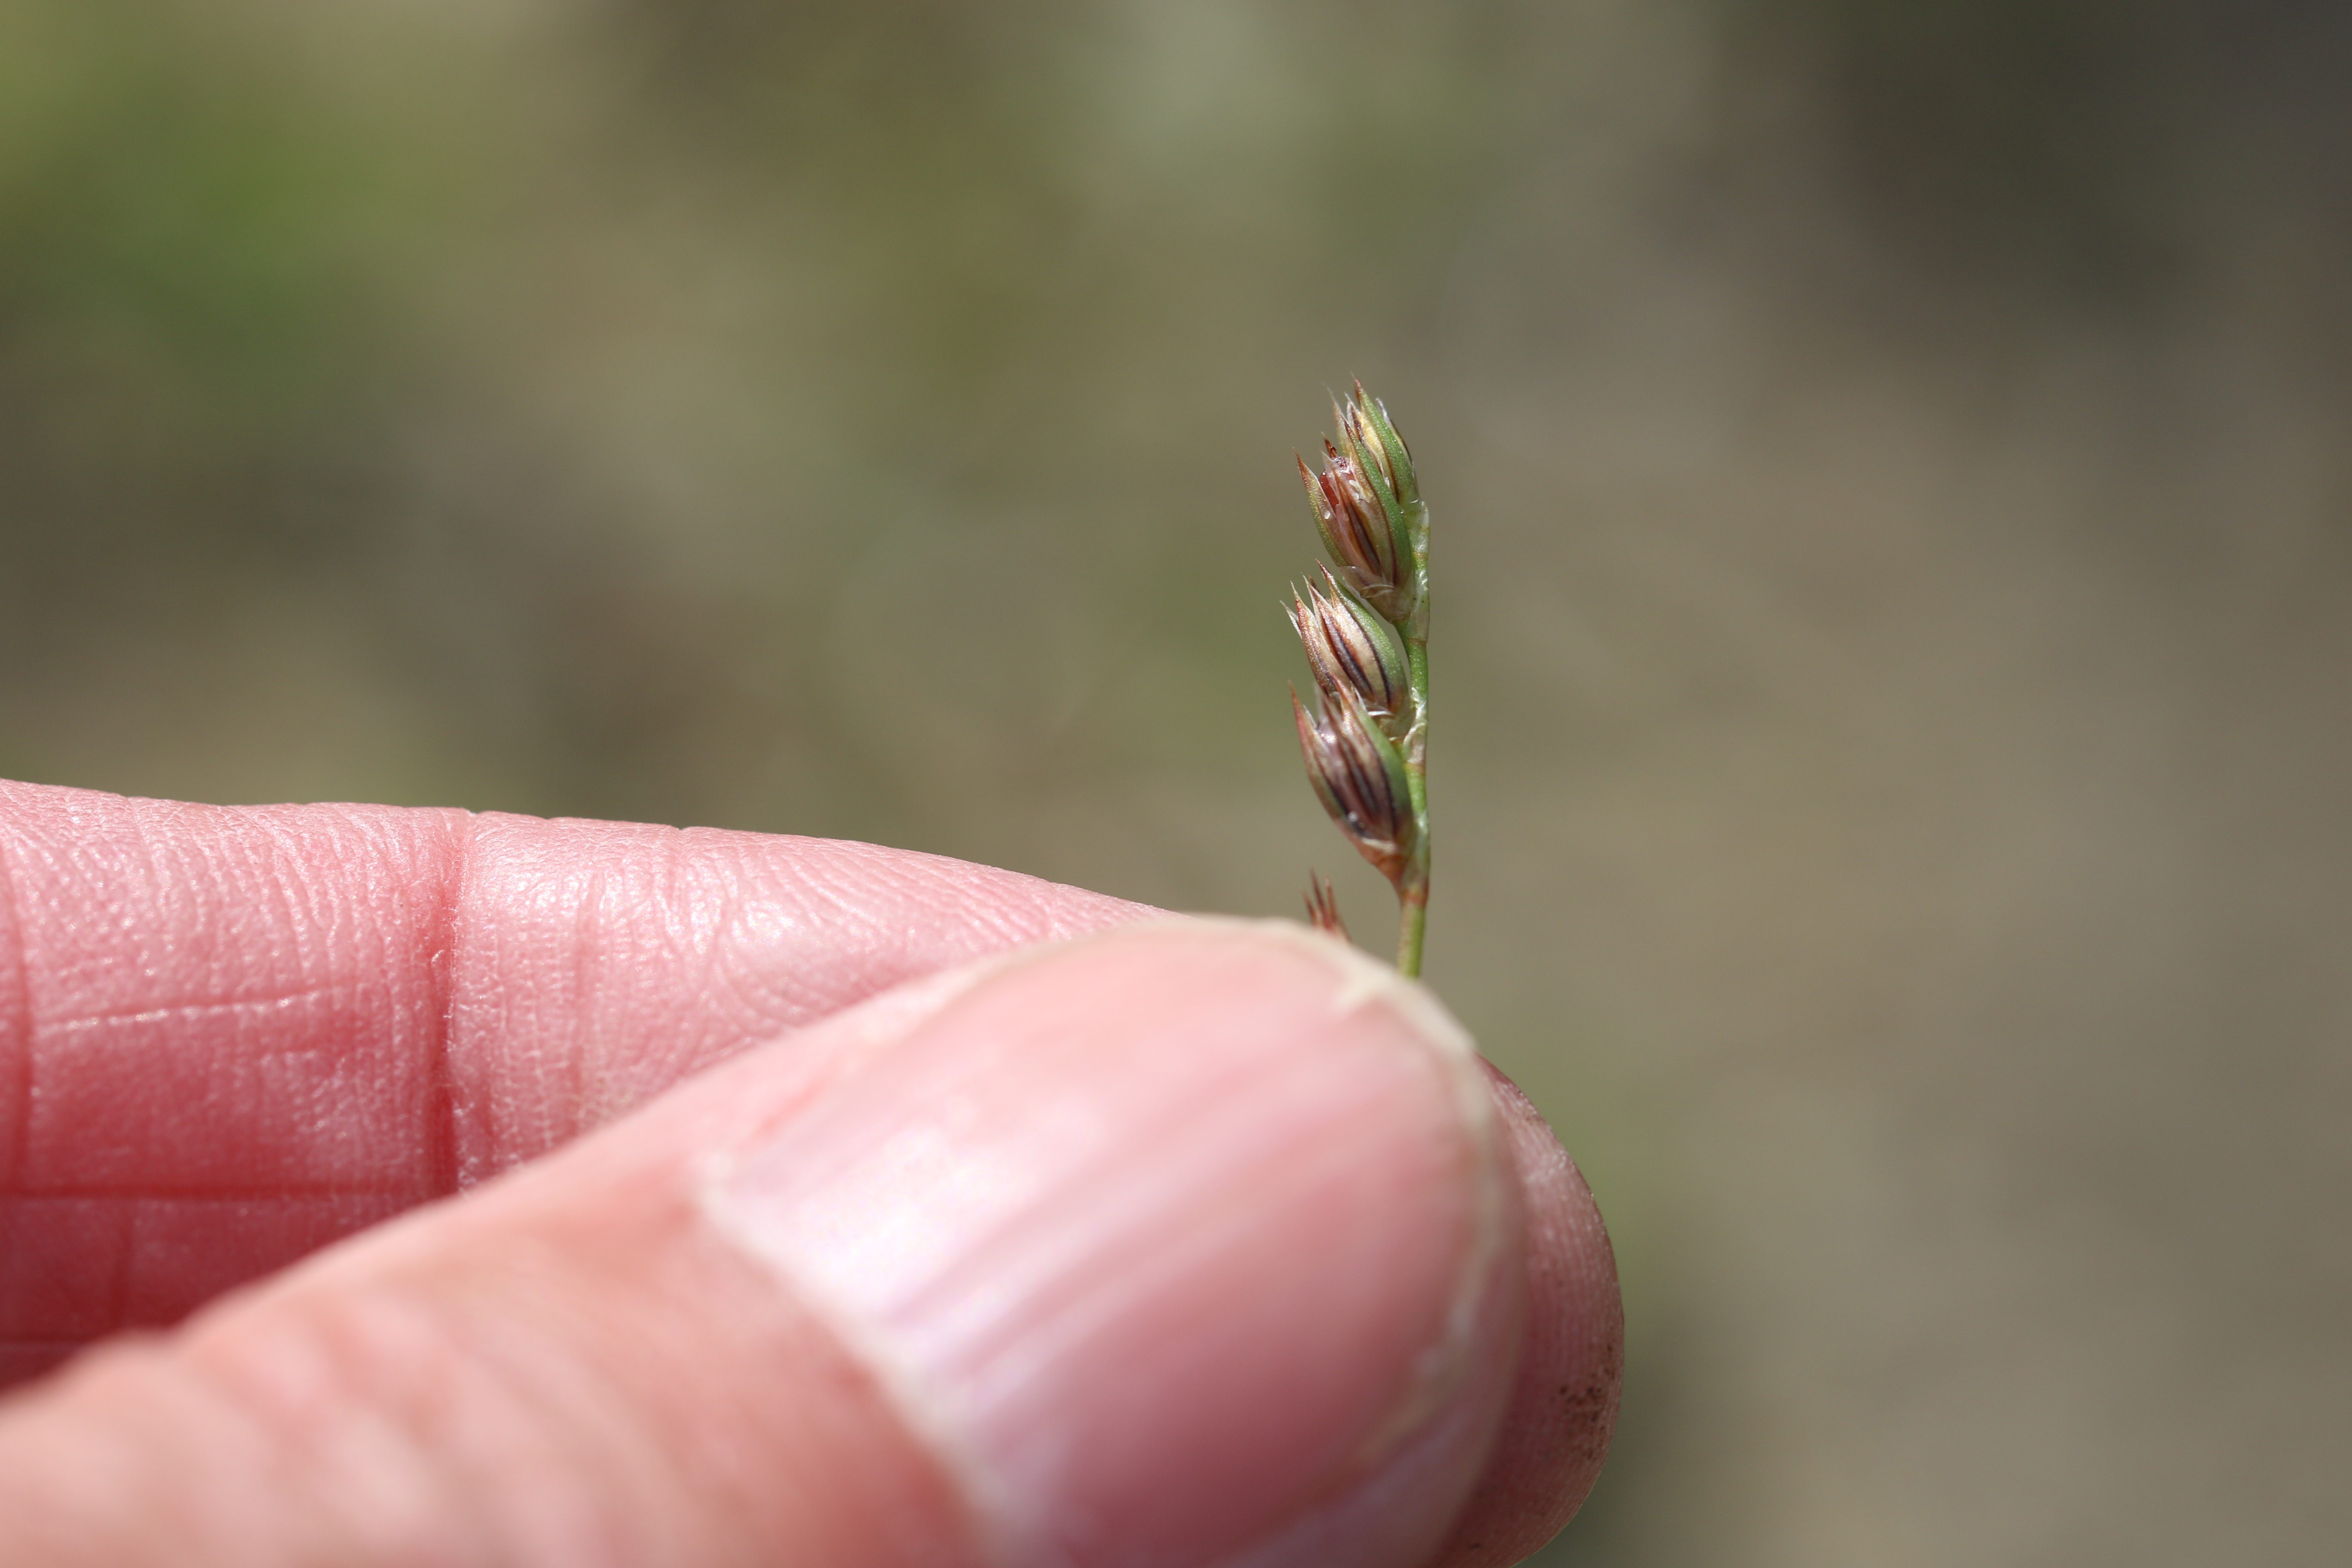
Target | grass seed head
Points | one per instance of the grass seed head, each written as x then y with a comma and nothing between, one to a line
1360,775
1350,644
1357,531
1367,421
1366,632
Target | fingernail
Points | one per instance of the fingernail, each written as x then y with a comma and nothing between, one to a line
1185,1244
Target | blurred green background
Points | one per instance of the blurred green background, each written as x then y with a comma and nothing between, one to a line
1893,643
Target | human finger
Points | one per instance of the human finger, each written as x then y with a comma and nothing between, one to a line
231,1035
1562,1413
1186,1245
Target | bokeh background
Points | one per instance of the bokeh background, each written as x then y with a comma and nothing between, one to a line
1894,643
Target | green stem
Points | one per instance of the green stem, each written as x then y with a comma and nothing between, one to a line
1416,657
1413,886
1412,918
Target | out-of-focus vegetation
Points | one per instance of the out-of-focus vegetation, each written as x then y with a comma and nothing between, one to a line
1890,471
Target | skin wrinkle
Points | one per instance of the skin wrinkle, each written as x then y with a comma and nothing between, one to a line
728,984
568,1120
727,974
818,903
190,1010
719,977
193,888
440,941
494,1125
795,997
839,896
467,949
279,892
739,971
310,1057
836,899
823,905
410,943
702,933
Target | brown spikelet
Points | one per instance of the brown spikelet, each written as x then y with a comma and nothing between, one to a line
1350,646
1323,907
1355,530
1360,776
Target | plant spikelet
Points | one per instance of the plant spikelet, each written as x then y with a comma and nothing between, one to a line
1365,630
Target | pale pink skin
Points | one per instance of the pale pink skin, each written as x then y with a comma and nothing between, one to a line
230,1037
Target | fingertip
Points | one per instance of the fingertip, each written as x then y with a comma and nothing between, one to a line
1562,1413
1177,1245
1180,1242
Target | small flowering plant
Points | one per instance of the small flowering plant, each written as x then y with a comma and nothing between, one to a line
1365,628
